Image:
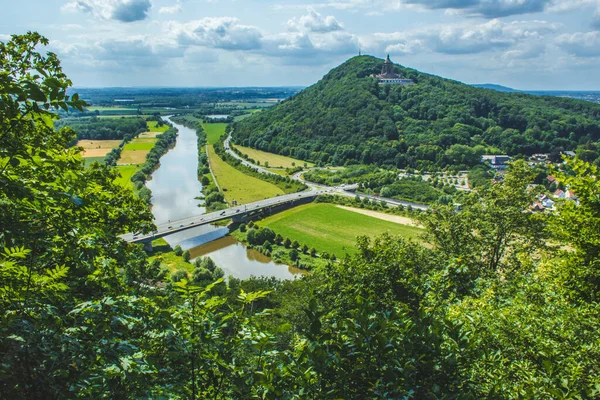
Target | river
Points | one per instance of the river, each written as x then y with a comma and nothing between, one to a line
174,187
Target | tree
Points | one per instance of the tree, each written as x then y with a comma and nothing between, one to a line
178,250
287,243
305,249
313,252
186,256
294,254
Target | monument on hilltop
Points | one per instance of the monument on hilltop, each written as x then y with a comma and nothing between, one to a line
389,77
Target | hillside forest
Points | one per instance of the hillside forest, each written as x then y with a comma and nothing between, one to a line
500,303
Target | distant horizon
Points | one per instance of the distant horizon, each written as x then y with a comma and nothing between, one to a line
539,44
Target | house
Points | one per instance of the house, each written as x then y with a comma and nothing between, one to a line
569,153
559,194
548,203
569,195
537,207
551,179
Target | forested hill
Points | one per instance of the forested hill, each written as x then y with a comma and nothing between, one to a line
348,117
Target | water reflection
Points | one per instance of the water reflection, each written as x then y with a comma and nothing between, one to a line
237,260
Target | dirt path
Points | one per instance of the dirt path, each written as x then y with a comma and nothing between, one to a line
386,217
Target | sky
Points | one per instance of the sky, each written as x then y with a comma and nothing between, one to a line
524,44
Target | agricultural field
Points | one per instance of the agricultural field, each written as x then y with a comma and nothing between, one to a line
329,228
97,148
140,144
238,186
90,160
126,172
274,160
153,128
213,132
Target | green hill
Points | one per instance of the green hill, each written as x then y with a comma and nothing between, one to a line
347,117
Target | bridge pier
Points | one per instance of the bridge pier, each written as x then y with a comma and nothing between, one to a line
148,247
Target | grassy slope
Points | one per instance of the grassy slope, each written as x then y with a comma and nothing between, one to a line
275,160
329,228
240,187
213,132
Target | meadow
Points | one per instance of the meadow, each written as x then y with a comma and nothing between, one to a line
90,160
274,160
126,172
238,186
213,132
162,251
331,229
153,128
97,148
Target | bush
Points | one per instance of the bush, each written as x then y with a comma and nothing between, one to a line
294,254
186,256
201,275
242,227
287,243
178,250
179,275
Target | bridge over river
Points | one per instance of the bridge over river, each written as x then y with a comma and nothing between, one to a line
237,213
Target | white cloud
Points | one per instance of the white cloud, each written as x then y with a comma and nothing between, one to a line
314,22
174,9
581,44
119,10
222,33
465,38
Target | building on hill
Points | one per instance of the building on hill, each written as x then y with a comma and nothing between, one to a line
496,161
389,77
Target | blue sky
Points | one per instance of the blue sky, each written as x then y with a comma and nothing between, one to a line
526,44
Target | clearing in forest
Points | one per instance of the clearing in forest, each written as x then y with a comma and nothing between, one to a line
329,228
238,186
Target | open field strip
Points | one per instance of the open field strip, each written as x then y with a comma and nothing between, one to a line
133,157
126,172
331,229
274,160
105,108
152,127
149,135
140,144
213,132
90,160
238,186
97,148
398,219
167,257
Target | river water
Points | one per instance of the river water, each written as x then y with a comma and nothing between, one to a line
174,186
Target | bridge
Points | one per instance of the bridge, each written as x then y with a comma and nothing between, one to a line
236,213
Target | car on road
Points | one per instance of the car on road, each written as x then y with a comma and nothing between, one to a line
191,223
238,210
135,237
223,213
170,227
181,226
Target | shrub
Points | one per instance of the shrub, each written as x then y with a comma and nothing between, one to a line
186,256
179,275
178,250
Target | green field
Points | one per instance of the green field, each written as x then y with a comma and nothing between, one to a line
140,144
238,186
213,132
104,108
274,160
153,128
90,160
127,172
329,228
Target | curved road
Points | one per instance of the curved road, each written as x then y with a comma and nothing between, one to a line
346,190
